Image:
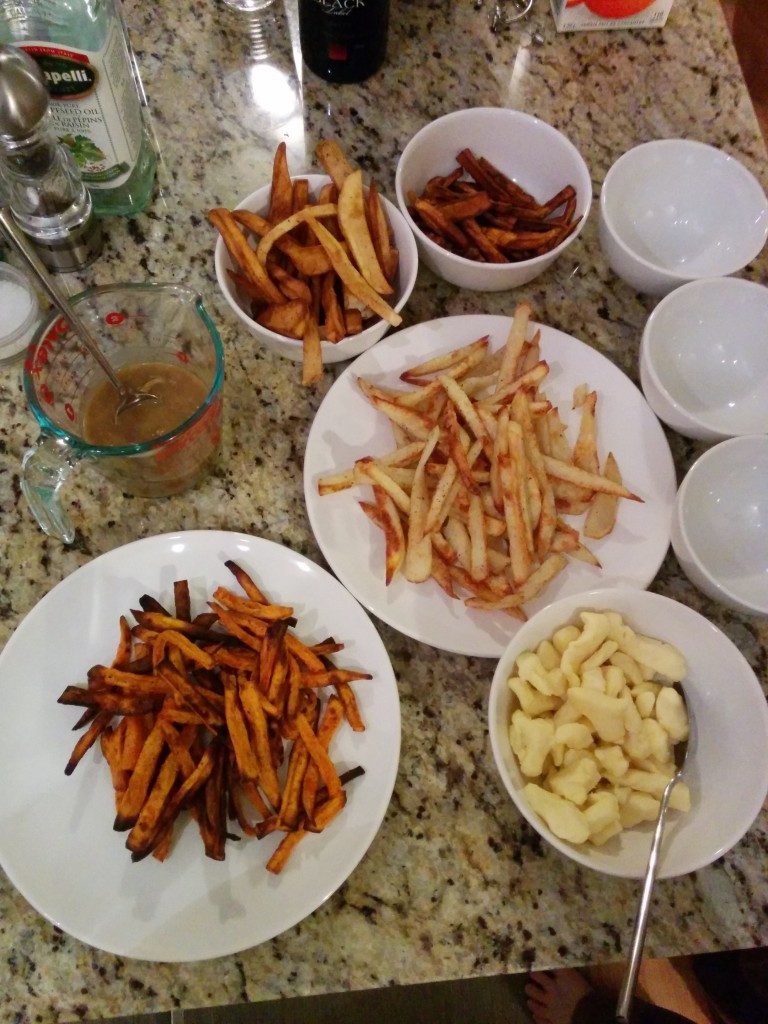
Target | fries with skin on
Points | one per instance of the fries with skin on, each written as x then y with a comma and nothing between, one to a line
206,713
314,270
475,492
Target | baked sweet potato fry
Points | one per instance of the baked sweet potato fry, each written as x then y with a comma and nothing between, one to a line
204,720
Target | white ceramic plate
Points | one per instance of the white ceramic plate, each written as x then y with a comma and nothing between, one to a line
56,839
347,427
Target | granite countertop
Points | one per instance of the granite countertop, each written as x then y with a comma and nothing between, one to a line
455,884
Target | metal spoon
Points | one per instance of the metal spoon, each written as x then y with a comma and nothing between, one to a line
627,992
128,396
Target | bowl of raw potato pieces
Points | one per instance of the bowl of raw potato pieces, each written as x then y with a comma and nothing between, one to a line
584,720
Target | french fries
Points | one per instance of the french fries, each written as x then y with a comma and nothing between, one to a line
201,713
475,493
312,270
479,213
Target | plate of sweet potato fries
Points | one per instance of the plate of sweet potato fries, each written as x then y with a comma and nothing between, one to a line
204,730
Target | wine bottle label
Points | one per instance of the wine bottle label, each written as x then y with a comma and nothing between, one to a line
340,7
94,108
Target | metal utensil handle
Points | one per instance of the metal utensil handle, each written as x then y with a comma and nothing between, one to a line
627,993
57,297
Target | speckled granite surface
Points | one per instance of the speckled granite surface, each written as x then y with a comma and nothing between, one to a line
455,884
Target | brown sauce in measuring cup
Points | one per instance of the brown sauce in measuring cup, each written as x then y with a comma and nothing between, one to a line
179,392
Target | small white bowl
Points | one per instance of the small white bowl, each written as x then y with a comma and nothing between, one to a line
727,765
531,152
720,524
675,210
21,312
347,348
704,359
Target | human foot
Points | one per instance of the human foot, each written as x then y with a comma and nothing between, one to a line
552,996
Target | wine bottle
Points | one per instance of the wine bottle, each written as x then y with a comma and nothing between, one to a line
343,40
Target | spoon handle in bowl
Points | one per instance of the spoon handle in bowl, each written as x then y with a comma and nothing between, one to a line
627,992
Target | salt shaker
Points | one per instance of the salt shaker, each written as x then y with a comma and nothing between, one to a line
40,180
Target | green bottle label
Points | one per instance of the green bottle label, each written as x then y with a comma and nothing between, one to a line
94,108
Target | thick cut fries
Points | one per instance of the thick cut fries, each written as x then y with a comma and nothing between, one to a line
208,716
311,281
494,473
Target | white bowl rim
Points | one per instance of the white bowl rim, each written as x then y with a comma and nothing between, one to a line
602,597
716,451
659,268
257,197
542,260
699,283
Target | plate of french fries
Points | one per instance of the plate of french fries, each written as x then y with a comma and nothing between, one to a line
203,729
472,469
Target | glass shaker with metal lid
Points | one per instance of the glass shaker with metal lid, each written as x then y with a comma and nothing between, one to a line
39,180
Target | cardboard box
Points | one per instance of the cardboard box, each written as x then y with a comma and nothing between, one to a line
582,15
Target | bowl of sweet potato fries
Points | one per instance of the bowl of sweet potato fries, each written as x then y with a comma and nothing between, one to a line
316,266
493,196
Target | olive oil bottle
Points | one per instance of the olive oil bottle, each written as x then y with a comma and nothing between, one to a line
82,49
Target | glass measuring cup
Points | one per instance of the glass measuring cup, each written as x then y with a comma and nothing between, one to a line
135,323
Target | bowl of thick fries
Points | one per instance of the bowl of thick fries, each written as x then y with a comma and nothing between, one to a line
317,267
493,196
587,761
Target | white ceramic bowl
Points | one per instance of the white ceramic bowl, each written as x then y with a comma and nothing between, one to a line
675,210
727,766
704,359
534,154
348,348
720,524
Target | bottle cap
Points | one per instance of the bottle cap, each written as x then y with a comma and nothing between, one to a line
23,95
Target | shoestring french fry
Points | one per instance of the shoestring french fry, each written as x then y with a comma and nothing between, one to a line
201,713
482,473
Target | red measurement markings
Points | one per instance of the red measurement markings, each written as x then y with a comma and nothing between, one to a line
49,346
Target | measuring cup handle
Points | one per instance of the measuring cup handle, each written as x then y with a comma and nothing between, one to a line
44,469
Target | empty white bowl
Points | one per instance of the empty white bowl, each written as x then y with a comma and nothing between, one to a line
531,152
675,210
704,359
720,524
727,765
347,348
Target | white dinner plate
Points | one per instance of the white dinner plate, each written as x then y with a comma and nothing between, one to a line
57,844
347,427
